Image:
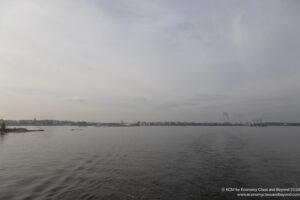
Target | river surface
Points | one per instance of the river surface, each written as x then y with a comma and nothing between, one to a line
147,162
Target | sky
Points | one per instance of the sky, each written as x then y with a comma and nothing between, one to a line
150,60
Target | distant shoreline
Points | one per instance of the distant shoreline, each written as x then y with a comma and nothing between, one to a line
139,123
19,130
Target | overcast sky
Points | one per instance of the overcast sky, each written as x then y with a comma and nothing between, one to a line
150,60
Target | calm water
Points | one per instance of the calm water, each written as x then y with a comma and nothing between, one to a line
146,162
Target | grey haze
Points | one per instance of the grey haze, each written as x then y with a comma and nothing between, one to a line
150,60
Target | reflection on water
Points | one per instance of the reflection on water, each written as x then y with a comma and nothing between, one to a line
146,162
1,137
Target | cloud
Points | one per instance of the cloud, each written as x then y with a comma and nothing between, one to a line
77,99
32,91
268,41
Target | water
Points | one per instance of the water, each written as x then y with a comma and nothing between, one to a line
147,162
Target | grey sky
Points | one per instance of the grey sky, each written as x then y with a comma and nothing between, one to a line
150,60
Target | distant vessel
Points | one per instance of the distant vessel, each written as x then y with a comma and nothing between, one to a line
259,124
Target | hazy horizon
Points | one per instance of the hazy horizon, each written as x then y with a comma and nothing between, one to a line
150,60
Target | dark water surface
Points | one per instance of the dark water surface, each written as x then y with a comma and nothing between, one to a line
147,162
